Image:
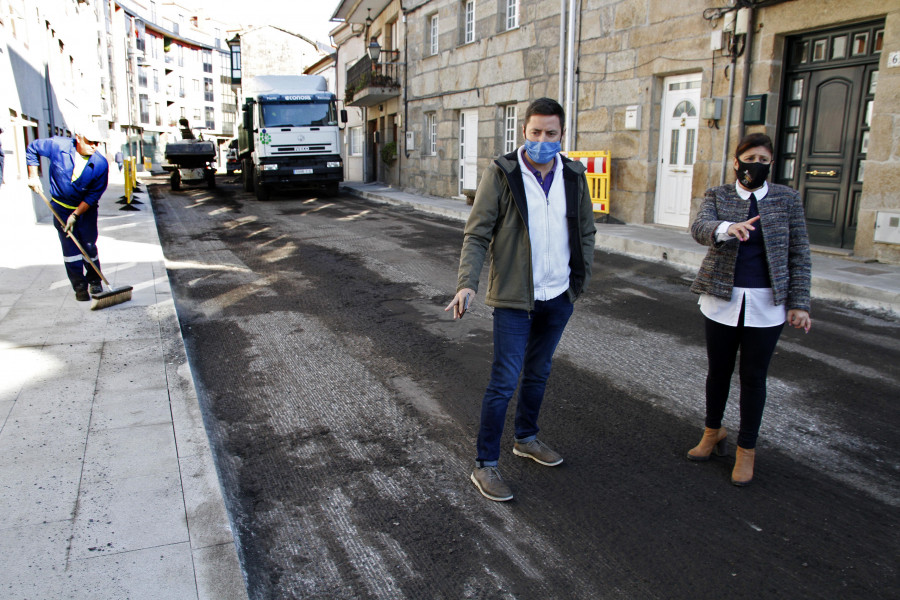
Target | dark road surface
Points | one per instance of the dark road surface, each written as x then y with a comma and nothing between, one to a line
342,404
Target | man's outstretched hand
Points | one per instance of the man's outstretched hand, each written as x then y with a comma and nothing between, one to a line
460,302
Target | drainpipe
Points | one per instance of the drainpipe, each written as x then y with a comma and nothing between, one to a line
730,101
365,165
562,45
745,86
48,89
745,81
570,72
405,79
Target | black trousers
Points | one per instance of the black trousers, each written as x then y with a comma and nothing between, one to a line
757,344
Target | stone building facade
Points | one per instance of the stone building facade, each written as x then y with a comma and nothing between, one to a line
372,89
668,88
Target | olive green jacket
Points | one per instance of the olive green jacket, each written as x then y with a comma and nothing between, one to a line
499,222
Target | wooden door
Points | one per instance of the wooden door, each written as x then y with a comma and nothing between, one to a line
829,89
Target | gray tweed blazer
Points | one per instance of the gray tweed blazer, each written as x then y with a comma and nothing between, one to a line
784,236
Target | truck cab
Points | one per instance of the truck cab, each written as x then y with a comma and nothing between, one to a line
289,136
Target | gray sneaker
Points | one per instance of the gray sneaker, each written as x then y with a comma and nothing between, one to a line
538,451
490,484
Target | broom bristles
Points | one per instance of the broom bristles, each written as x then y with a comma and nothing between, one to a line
111,298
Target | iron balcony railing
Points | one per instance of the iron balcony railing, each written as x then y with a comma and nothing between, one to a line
364,73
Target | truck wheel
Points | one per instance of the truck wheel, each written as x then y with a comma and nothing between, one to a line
211,179
247,175
262,193
175,180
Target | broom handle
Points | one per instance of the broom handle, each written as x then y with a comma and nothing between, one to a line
72,237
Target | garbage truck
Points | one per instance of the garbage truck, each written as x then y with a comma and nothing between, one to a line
289,135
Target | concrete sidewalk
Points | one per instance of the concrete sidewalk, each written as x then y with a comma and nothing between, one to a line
107,483
868,285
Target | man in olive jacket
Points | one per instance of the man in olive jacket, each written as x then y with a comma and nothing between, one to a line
533,212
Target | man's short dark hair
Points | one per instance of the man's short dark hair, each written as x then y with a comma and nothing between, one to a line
546,107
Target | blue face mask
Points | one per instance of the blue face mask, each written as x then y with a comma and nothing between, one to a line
542,152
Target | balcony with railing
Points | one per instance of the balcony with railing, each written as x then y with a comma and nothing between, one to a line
370,83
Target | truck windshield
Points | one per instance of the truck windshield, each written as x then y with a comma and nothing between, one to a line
298,114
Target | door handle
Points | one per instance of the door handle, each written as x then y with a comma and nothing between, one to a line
816,173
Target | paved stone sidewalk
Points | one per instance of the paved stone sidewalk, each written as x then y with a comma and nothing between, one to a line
107,483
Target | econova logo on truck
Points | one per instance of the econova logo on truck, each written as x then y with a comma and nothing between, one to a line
289,135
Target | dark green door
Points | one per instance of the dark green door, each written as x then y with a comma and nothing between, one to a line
828,91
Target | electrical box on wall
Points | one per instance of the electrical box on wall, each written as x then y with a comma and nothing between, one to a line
715,40
728,21
887,227
633,117
755,110
711,109
742,21
410,140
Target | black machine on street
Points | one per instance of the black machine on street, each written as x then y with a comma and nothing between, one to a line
193,161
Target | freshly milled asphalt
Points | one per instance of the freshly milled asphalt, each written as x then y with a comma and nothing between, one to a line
342,402
107,484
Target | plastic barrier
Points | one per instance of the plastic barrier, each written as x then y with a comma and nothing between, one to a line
597,163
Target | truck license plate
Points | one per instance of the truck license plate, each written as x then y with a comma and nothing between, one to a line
303,171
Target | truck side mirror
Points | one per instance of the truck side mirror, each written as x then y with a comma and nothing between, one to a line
343,115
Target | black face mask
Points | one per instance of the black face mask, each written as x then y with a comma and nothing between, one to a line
752,175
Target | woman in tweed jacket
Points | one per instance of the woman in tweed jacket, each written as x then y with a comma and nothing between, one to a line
754,278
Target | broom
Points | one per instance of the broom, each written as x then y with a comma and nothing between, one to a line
103,299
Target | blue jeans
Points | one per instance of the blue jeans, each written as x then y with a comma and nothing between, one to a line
524,344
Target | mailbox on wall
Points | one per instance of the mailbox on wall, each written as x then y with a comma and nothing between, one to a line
755,110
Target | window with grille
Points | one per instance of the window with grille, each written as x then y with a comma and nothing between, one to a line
509,128
356,137
469,20
431,134
433,34
512,14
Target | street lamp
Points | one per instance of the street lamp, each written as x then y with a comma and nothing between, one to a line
374,50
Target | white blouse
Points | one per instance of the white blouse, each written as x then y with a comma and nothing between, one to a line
760,309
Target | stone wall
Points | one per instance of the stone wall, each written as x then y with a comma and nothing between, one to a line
626,50
497,69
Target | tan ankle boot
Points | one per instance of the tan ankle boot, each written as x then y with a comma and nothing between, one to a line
743,467
713,439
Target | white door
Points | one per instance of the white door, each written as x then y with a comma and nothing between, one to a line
677,149
468,149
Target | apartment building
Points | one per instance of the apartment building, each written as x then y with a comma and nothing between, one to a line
49,82
170,63
667,87
133,67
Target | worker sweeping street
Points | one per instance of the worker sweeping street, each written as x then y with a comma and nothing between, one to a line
78,177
